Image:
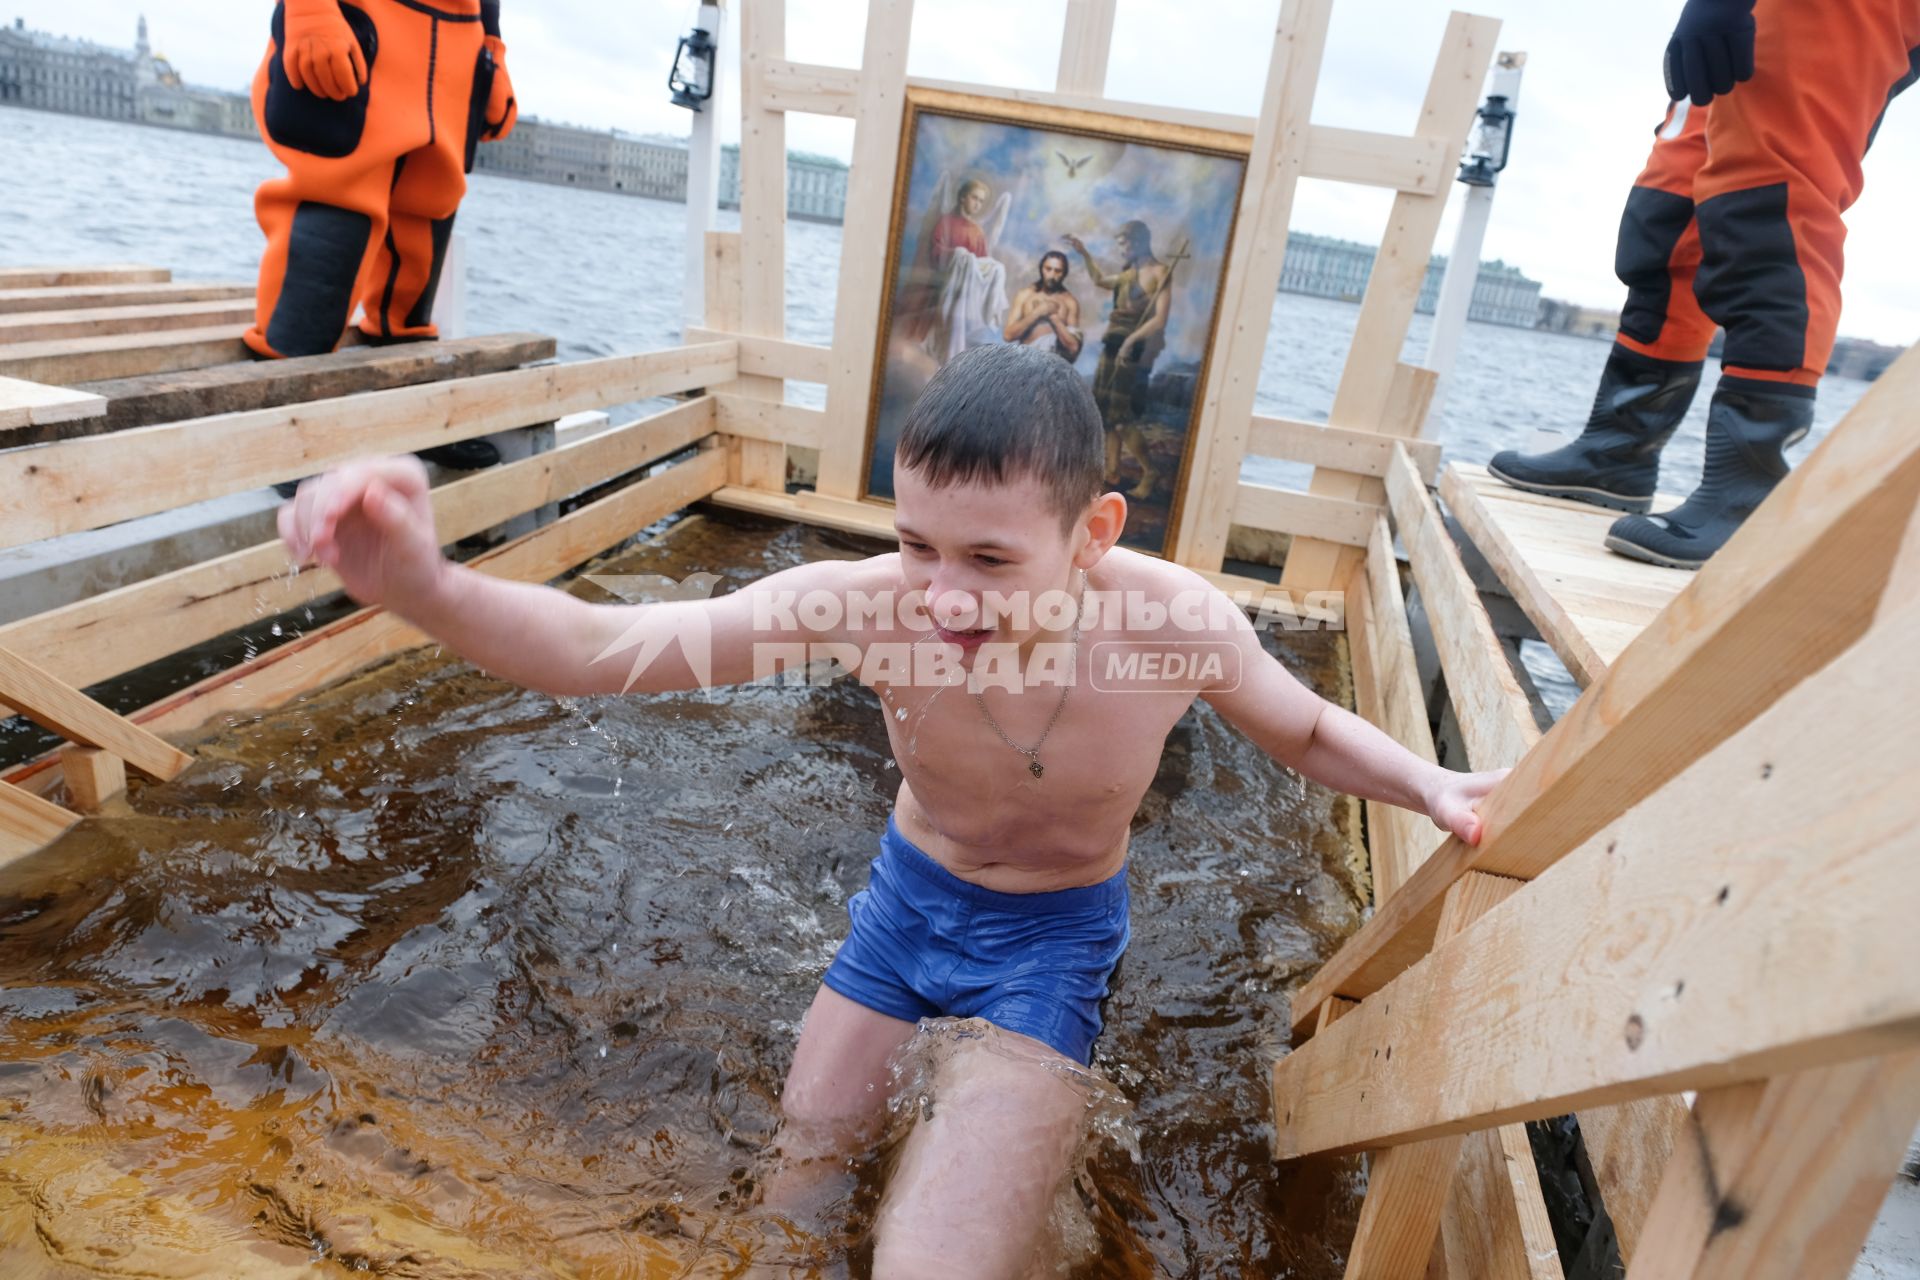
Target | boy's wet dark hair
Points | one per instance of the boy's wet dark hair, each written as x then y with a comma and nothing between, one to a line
997,412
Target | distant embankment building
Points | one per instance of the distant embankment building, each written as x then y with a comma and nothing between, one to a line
1328,268
569,156
79,77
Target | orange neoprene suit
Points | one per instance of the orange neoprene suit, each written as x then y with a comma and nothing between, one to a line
377,148
1736,218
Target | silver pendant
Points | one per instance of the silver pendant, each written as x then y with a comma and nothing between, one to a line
1033,767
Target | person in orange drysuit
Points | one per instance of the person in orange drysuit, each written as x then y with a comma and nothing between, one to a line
1735,223
375,107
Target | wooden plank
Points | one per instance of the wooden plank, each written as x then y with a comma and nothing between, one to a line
122,355
1085,44
759,421
1792,589
1495,718
815,90
771,357
1260,506
29,823
1366,453
60,707
368,635
93,776
260,384
25,406
1495,1225
872,519
1386,858
94,639
747,274
1628,1144
876,156
1396,705
1782,1179
1688,944
1408,1186
82,484
94,322
1254,258
63,277
1365,395
72,297
1545,587
1418,165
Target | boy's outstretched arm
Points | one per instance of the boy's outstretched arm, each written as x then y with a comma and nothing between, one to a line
371,522
1339,749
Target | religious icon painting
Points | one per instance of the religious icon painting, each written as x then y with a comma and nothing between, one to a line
1100,238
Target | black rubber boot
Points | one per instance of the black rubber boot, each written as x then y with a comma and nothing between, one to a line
1749,425
462,455
1615,462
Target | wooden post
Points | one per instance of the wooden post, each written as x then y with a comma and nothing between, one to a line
1781,1179
881,106
1408,1186
1368,390
755,299
1084,48
1254,259
93,776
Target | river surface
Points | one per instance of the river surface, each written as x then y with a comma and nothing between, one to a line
429,975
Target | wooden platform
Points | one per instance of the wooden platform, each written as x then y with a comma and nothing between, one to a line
1588,602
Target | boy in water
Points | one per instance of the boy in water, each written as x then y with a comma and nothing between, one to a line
1024,661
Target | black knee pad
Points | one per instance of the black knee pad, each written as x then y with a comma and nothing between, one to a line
316,294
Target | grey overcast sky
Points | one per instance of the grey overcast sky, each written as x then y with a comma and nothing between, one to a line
1591,98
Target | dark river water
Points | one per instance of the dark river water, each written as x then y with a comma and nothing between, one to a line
429,975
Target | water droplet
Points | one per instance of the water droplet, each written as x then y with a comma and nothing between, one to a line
275,629
900,713
603,1051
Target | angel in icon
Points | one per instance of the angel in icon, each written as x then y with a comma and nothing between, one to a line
957,297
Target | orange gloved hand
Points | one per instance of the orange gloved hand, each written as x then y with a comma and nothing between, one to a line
320,53
502,109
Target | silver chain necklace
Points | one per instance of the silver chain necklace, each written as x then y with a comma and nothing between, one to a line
1032,753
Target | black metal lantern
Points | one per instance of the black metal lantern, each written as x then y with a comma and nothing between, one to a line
692,76
1492,141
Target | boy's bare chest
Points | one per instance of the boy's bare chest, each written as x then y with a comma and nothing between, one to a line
1048,773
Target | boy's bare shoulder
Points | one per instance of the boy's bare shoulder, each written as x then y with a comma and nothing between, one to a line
1162,600
1123,569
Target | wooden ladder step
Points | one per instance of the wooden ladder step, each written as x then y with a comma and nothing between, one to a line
57,277
71,297
96,322
65,362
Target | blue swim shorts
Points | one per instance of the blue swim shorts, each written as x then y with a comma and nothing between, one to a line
927,944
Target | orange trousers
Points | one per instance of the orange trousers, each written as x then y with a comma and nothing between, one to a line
1736,220
373,182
